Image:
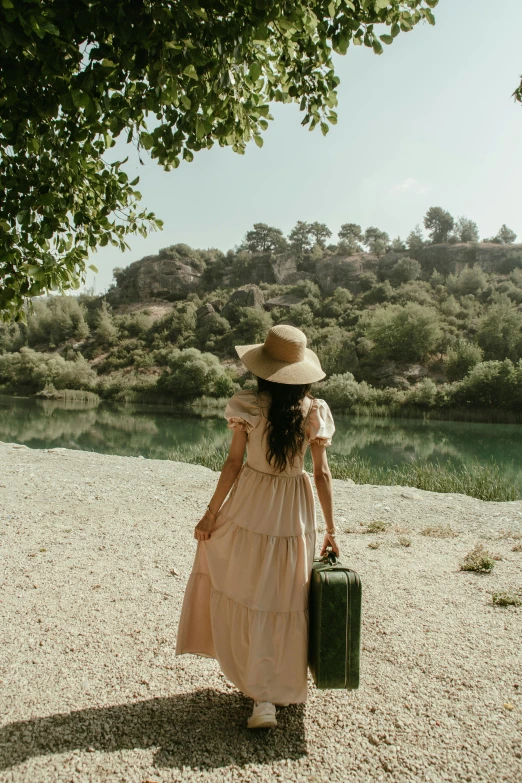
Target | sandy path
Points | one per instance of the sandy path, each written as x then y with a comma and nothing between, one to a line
90,689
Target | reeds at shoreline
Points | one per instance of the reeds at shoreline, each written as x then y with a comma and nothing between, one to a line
479,481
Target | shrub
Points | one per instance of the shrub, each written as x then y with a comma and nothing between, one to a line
13,336
504,598
479,560
470,281
31,370
439,531
402,333
491,385
339,391
253,324
500,331
404,541
424,394
405,270
55,320
461,358
106,330
377,526
193,374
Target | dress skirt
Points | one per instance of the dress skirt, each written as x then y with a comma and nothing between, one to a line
246,601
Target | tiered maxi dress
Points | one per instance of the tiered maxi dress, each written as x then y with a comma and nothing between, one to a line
246,601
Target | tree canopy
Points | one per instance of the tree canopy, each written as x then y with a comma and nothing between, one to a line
172,79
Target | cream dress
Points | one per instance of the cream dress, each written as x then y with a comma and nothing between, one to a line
246,601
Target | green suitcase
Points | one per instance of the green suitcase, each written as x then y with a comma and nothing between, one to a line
335,624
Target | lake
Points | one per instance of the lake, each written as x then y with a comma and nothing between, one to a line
148,431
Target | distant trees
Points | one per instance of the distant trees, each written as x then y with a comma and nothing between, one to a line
504,236
439,224
300,237
263,238
320,233
311,238
415,240
465,230
376,240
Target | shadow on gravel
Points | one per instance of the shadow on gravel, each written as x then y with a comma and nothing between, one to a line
204,729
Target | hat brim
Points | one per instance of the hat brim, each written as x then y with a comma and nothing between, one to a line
258,361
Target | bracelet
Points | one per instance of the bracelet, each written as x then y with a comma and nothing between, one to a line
332,535
210,511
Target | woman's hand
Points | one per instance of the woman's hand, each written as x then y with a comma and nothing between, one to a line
329,541
205,526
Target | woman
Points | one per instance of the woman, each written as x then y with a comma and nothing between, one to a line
246,601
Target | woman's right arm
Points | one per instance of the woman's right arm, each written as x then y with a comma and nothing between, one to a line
323,483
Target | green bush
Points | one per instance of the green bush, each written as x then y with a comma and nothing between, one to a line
13,336
405,270
339,391
55,320
252,326
404,333
479,560
32,371
500,330
461,358
192,374
491,385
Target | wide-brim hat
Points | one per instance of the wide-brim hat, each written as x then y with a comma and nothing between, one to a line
283,357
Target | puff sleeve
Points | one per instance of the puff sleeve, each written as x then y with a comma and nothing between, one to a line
242,411
320,427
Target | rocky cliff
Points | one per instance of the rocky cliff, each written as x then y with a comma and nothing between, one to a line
179,270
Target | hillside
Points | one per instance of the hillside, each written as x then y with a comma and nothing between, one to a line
436,327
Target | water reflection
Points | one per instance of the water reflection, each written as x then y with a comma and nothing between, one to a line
156,432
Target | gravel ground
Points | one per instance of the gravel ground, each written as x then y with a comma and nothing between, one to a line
96,552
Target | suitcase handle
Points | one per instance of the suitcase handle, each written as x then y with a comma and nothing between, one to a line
329,557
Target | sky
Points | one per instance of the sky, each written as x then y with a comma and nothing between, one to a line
431,122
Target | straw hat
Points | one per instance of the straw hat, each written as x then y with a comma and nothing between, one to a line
283,357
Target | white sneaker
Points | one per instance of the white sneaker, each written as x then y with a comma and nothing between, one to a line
263,716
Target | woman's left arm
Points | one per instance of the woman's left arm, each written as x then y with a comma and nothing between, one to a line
229,473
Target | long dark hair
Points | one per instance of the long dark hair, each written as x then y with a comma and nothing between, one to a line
285,433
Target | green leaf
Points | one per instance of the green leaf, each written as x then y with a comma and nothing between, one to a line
258,140
380,5
324,128
387,39
191,72
377,48
7,4
186,102
255,71
395,30
93,268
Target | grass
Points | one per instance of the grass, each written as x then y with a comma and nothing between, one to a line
483,482
377,526
479,481
479,560
439,531
504,598
404,541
